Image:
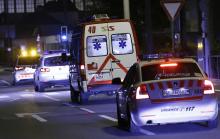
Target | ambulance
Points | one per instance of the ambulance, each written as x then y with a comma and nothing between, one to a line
101,51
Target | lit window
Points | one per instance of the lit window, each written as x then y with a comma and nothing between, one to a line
30,6
20,6
2,6
39,3
11,8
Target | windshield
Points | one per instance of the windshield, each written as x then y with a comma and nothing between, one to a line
178,70
28,60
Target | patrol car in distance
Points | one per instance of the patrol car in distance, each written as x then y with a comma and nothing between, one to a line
25,67
164,91
52,70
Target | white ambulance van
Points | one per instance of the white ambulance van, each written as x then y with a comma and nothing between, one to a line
102,50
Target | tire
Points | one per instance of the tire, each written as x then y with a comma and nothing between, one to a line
131,127
36,88
213,123
121,121
73,94
41,88
82,98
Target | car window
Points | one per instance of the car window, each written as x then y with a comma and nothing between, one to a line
181,70
55,61
27,60
96,46
121,44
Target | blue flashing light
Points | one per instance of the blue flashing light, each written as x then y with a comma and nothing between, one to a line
64,37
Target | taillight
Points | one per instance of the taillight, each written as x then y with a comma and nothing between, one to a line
208,87
168,65
19,68
141,92
44,70
83,72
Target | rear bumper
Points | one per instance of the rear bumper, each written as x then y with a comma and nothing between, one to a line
55,83
145,112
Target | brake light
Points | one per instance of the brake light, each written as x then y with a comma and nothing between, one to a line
168,65
141,92
19,68
208,87
44,70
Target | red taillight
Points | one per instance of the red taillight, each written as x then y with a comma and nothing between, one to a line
168,65
141,92
208,87
19,68
44,70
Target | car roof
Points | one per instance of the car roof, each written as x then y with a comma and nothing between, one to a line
165,60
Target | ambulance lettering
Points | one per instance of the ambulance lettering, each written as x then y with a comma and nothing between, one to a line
108,28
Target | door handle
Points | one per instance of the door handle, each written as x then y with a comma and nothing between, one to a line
116,61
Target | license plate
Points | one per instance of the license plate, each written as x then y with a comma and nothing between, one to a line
176,92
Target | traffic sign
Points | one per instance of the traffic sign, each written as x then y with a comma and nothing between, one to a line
172,7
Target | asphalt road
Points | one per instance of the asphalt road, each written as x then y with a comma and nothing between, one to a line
25,114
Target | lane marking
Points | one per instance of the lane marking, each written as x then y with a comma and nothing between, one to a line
27,95
108,118
4,96
147,132
13,99
87,110
69,105
52,94
37,117
51,98
33,115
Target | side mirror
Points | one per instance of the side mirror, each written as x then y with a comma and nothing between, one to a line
116,81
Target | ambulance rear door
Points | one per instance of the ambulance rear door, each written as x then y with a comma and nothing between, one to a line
96,48
122,45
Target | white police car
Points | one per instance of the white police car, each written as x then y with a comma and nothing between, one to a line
24,69
163,91
52,71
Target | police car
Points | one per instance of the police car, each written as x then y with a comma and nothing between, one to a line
52,71
25,67
164,91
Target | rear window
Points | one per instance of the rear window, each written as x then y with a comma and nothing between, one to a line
181,70
28,60
96,46
55,61
121,44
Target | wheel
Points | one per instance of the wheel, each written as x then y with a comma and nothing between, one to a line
41,88
131,127
121,121
213,123
73,94
36,88
82,98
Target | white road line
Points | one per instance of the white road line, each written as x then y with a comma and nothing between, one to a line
87,110
37,117
147,132
33,115
54,99
4,96
13,99
108,118
27,95
69,105
52,94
